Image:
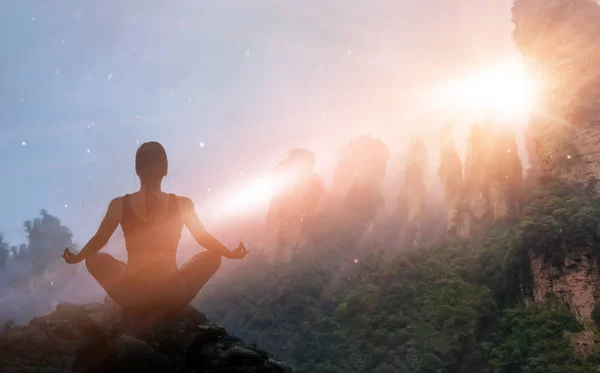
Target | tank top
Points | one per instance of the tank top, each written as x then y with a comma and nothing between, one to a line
151,245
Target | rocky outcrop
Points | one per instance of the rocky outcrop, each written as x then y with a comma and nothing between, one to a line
572,283
413,195
560,42
98,338
295,206
583,343
450,173
493,171
359,175
493,177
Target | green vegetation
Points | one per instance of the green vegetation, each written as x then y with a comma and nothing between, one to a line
453,307
561,218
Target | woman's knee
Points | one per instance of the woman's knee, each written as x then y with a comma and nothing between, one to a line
213,260
96,262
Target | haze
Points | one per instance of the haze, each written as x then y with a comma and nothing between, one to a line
228,87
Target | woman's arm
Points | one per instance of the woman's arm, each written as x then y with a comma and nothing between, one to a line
201,235
100,239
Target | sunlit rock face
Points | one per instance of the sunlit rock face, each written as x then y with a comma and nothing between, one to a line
354,203
295,205
450,173
574,282
560,42
413,195
493,176
362,163
358,178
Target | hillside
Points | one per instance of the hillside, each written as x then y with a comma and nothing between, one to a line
514,282
461,306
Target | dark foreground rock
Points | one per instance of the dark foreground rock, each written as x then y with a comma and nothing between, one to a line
94,338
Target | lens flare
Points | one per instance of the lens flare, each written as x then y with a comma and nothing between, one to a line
250,196
504,90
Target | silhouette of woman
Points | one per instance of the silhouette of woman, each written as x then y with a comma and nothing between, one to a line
152,221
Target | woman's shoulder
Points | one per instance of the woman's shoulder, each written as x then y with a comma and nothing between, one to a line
183,201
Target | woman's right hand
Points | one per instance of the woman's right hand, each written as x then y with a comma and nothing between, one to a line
71,258
239,253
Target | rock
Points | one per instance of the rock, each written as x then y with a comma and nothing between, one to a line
412,199
121,354
94,307
573,284
109,301
28,369
487,187
36,338
68,309
98,337
294,208
275,366
63,362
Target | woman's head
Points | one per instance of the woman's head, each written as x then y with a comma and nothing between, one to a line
151,163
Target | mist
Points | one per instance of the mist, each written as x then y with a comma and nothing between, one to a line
229,88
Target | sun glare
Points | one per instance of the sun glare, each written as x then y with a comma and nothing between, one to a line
248,196
245,198
503,90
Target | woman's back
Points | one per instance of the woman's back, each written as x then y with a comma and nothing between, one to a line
152,232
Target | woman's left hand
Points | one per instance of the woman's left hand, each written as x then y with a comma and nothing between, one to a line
71,258
239,253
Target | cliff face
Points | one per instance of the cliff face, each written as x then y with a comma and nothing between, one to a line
572,283
560,42
356,193
98,338
493,177
413,195
362,164
294,207
450,173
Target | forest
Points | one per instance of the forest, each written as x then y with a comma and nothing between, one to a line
457,306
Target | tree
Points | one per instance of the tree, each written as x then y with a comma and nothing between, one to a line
4,251
47,239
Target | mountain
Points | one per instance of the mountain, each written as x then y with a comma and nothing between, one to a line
514,285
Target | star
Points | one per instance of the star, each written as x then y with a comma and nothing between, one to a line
201,145
23,143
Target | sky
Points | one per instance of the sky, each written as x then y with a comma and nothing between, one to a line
228,87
